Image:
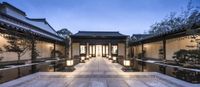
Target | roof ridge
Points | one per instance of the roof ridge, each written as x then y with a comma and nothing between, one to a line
99,31
15,8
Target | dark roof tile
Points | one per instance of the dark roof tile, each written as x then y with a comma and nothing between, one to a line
99,34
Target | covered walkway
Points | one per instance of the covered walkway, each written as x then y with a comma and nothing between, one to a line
97,72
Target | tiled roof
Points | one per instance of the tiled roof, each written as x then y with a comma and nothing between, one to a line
168,34
43,28
158,35
99,34
139,36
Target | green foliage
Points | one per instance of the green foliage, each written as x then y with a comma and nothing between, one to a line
181,56
56,53
18,45
65,33
187,56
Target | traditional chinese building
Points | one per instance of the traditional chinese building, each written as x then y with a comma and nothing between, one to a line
98,44
14,22
26,42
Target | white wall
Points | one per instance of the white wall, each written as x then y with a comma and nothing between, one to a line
137,50
152,49
44,49
60,48
75,49
121,49
11,56
175,44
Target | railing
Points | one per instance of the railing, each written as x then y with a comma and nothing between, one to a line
179,72
11,72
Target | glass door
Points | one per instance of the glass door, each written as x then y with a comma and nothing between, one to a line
93,51
90,51
104,50
98,50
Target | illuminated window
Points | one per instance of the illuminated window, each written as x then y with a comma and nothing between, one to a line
93,52
90,50
83,49
114,49
106,50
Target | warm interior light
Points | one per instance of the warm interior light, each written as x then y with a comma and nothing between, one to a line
114,58
126,62
70,62
82,58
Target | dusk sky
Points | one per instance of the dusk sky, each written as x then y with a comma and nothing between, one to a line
125,16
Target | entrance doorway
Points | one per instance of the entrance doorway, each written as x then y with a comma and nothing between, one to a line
98,50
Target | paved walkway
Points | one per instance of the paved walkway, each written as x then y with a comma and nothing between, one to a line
97,72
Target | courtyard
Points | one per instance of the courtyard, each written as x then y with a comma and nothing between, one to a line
98,72
99,43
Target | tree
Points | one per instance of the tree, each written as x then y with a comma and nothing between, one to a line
17,45
64,32
187,19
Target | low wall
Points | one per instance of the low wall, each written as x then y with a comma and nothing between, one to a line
14,73
179,73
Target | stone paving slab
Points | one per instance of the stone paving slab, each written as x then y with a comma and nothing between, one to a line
98,72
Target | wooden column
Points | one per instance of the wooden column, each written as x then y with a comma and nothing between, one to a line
54,49
125,50
87,48
65,51
33,54
142,57
71,50
142,50
132,51
109,48
164,56
164,48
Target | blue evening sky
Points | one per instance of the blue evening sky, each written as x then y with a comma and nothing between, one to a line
126,16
